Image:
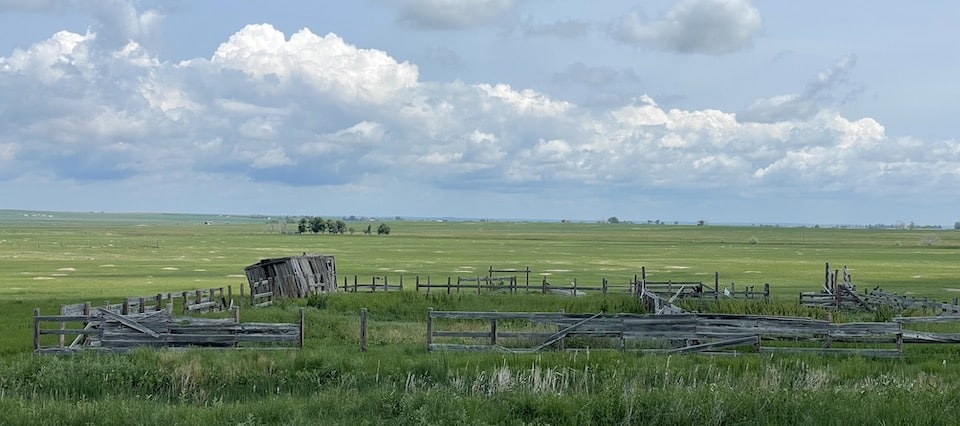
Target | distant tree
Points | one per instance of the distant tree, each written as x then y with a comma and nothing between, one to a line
368,230
317,225
613,219
701,222
351,230
331,226
956,225
340,226
383,229
302,225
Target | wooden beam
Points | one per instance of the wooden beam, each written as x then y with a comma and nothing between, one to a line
127,322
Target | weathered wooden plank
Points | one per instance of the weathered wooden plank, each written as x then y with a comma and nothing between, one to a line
938,319
69,332
562,333
921,337
733,341
66,318
127,322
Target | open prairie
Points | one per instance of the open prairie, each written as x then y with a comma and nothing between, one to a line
68,258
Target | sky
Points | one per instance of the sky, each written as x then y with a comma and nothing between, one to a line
728,111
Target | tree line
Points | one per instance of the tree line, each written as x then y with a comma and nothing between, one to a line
319,225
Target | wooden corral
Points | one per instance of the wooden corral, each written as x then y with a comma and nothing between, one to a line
99,329
291,277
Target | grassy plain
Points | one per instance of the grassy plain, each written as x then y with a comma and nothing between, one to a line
76,257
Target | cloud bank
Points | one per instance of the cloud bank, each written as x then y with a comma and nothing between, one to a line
314,110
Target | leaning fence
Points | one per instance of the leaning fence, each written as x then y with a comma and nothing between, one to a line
522,332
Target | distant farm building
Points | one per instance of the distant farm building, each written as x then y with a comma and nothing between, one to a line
293,277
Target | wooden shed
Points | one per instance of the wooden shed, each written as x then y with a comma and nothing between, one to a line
296,276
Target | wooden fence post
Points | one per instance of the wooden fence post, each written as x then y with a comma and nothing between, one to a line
186,302
543,286
716,287
300,337
63,325
603,283
363,329
236,314
143,301
125,307
36,329
493,331
429,323
448,285
560,341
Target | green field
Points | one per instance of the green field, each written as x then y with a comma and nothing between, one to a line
47,259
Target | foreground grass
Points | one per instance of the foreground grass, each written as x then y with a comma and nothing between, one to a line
415,388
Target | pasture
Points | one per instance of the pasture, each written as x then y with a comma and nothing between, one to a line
75,257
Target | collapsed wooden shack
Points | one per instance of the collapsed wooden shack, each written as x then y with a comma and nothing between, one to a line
292,277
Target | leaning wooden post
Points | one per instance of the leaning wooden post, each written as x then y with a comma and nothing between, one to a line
430,326
36,330
716,286
186,302
63,325
363,329
559,327
230,295
300,337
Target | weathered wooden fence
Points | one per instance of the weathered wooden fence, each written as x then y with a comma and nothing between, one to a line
839,292
683,333
469,284
637,286
201,300
376,284
100,329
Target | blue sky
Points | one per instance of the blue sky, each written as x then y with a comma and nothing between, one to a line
721,110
